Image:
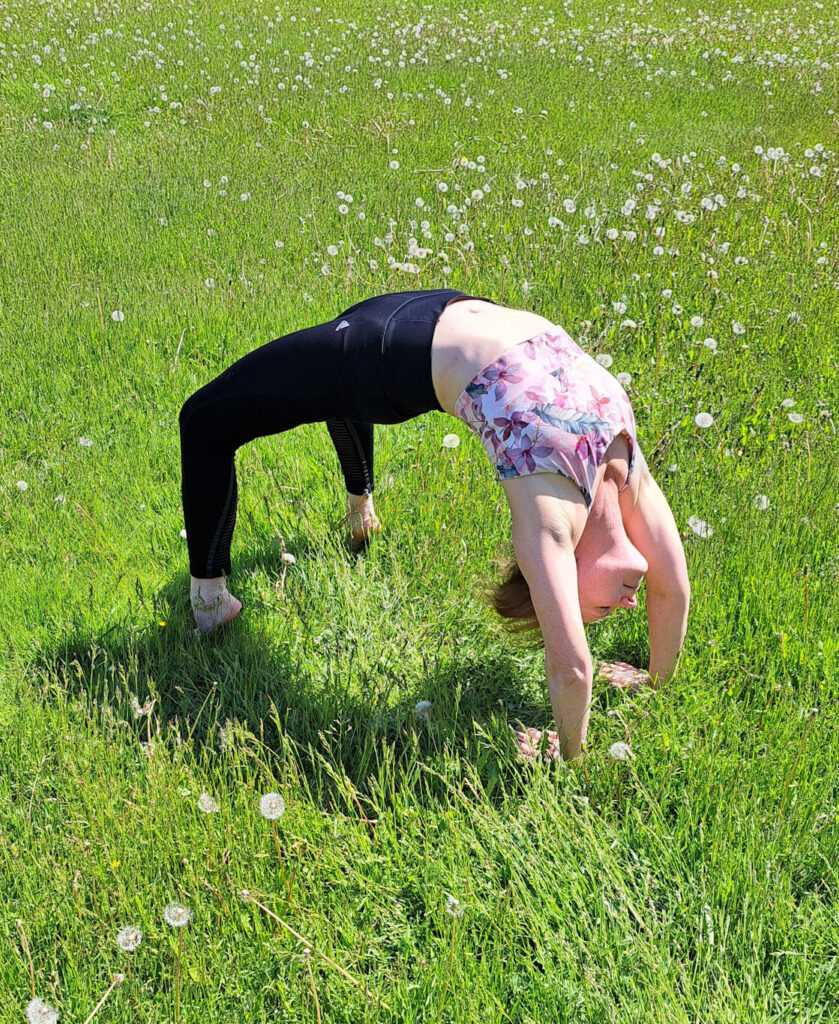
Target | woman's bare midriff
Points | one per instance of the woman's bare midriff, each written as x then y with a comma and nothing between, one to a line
469,335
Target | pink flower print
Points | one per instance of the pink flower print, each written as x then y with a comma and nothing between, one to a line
526,450
584,449
502,375
600,403
514,425
529,348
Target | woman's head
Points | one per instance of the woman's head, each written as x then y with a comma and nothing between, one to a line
609,572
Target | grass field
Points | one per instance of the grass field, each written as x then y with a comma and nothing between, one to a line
181,183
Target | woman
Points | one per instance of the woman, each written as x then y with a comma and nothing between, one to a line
589,522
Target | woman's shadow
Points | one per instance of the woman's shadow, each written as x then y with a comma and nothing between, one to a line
241,678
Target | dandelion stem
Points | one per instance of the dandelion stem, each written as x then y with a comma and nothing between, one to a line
247,897
117,981
314,990
19,924
277,845
178,975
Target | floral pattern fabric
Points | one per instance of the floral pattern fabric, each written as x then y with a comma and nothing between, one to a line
545,406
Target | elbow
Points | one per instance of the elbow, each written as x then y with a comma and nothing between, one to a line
569,676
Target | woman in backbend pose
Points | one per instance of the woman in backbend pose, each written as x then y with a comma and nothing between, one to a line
589,522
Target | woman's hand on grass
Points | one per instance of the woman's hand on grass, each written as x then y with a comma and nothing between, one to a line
527,744
624,676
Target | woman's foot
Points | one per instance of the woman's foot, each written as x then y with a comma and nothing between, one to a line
362,519
212,604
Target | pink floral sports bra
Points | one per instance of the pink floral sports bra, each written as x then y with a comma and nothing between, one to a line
545,406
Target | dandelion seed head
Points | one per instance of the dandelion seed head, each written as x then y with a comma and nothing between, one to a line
422,708
710,343
795,417
700,527
118,316
40,1012
272,806
761,501
129,938
788,403
451,441
604,359
703,419
453,907
620,751
22,485
697,321
624,379
85,442
207,804
287,558
177,915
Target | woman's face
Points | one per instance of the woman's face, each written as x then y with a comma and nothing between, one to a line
609,572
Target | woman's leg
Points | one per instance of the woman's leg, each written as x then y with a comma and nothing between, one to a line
299,378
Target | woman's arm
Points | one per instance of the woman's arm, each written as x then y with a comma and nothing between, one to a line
652,530
545,554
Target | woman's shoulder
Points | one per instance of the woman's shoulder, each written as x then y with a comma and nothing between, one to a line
548,501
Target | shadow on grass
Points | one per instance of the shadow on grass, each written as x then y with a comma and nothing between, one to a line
354,718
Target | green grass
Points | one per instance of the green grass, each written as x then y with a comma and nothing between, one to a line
697,881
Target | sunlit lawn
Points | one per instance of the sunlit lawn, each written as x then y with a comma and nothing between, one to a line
179,184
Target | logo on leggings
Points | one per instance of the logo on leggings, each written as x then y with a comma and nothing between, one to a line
343,323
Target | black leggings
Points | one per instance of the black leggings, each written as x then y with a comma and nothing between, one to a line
371,364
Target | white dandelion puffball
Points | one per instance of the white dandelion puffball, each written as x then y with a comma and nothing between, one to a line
761,501
287,558
177,915
788,403
700,527
207,804
451,441
22,485
710,343
696,321
604,359
795,417
422,708
39,1012
118,315
624,379
129,938
272,806
183,534
620,751
85,442
453,907
703,419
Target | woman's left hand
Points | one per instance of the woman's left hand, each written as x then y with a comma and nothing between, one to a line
528,744
624,676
